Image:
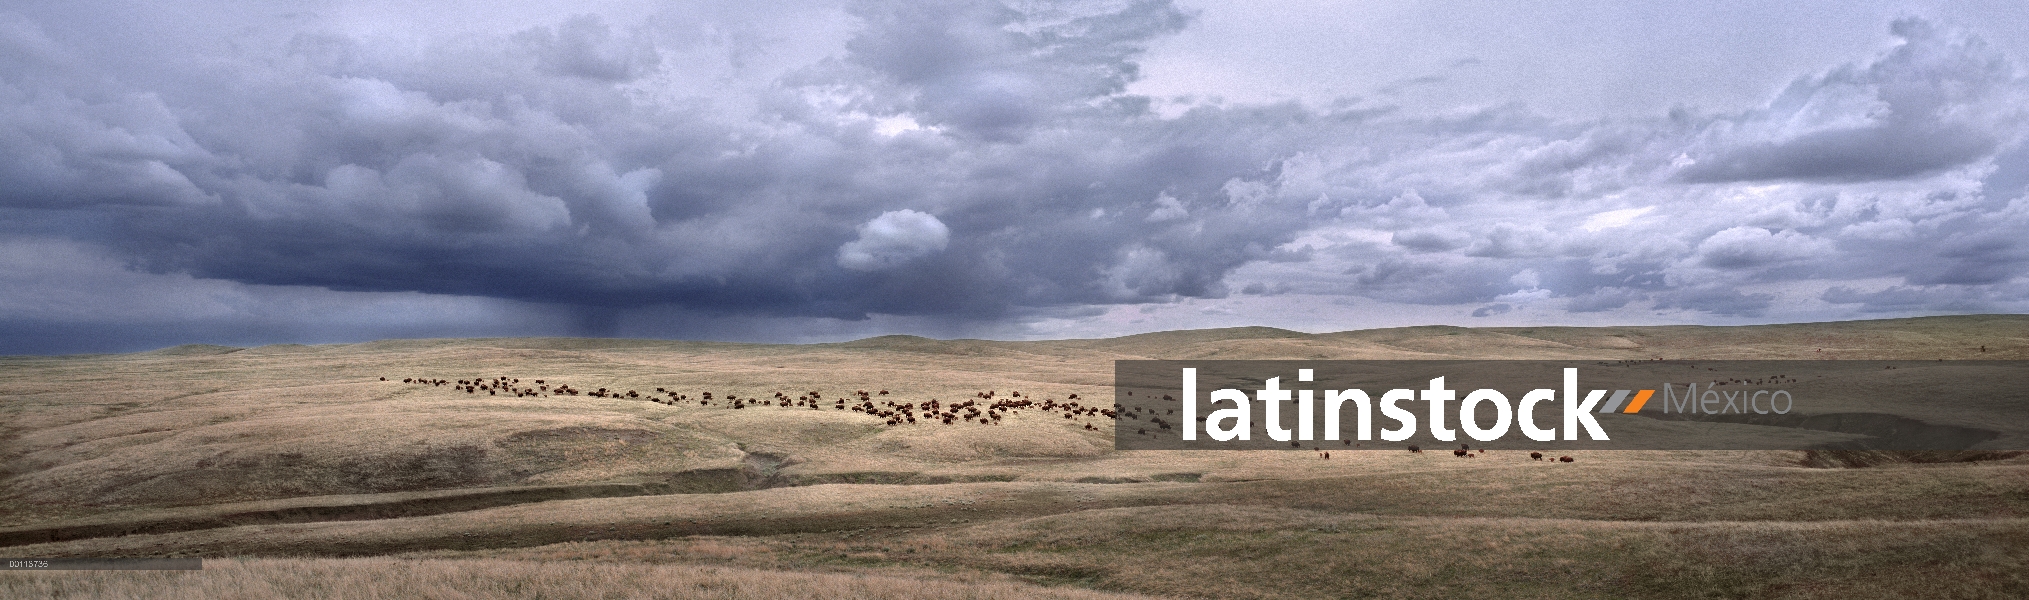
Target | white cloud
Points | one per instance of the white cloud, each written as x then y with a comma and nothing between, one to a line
1167,208
892,239
1747,247
1614,218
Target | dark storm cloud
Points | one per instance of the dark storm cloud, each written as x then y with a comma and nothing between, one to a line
1424,280
67,296
586,47
2010,178
1932,298
1430,240
1923,108
1601,299
1971,257
990,70
1716,300
520,170
1754,247
1861,154
952,163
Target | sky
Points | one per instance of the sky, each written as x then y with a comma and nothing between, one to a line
242,173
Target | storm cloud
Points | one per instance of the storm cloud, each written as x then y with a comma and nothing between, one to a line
964,167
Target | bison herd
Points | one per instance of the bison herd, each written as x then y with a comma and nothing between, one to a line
985,408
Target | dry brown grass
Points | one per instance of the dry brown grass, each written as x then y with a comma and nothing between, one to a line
1234,552
300,452
205,425
389,578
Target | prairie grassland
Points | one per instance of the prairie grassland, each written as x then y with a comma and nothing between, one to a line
300,465
389,579
1265,552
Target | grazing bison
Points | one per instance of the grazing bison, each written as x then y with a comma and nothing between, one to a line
1535,456
1564,459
